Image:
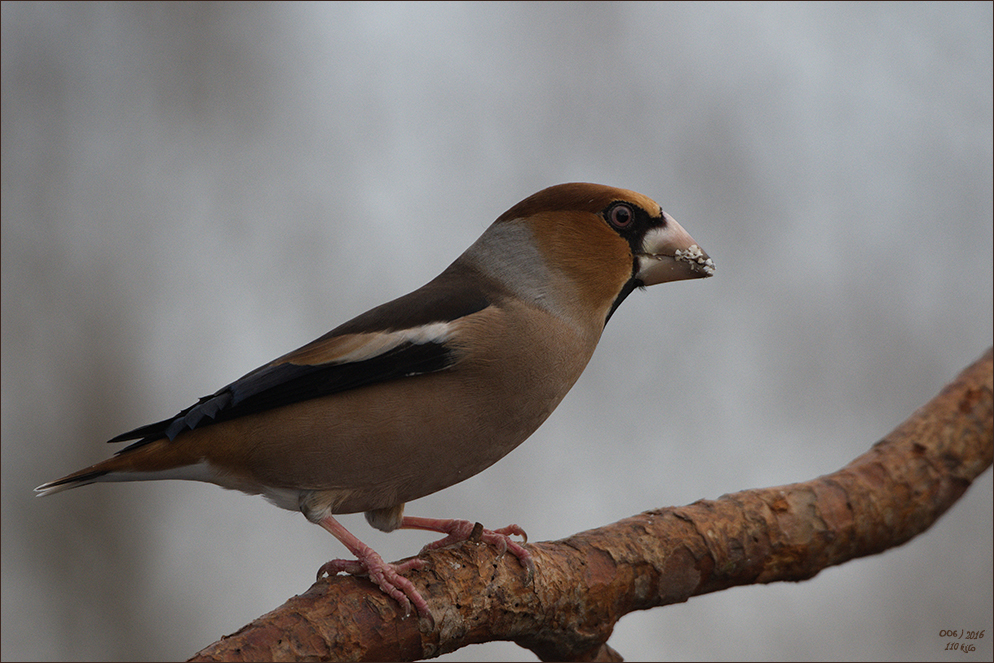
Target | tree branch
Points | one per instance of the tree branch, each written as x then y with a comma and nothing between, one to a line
587,582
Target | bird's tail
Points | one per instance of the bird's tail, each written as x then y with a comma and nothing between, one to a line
160,459
90,475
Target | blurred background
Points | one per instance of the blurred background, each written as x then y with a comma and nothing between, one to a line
190,190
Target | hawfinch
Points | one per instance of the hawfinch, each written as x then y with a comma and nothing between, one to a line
426,390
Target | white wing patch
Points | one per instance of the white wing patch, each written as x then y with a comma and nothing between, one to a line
359,347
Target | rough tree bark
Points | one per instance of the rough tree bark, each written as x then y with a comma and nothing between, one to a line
587,582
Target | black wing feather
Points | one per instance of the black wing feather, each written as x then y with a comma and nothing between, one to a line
284,384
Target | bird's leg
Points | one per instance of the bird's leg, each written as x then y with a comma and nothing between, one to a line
457,531
368,562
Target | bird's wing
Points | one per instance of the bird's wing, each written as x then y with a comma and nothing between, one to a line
411,335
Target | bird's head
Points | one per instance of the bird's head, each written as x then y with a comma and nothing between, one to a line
605,241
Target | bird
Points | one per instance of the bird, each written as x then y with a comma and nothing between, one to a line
428,389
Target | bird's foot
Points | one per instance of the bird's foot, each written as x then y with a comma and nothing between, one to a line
457,531
368,562
385,576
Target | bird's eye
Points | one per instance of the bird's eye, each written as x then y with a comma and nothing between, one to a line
621,216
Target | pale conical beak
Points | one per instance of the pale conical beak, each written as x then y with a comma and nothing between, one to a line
670,254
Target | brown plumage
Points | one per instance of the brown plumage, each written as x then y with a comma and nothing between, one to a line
429,389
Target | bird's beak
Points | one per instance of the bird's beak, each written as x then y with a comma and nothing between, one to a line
670,254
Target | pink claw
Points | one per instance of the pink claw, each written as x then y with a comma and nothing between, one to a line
368,562
457,531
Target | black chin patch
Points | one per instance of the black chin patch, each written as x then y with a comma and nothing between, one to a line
626,290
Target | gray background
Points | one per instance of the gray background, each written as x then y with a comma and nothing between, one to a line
191,190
